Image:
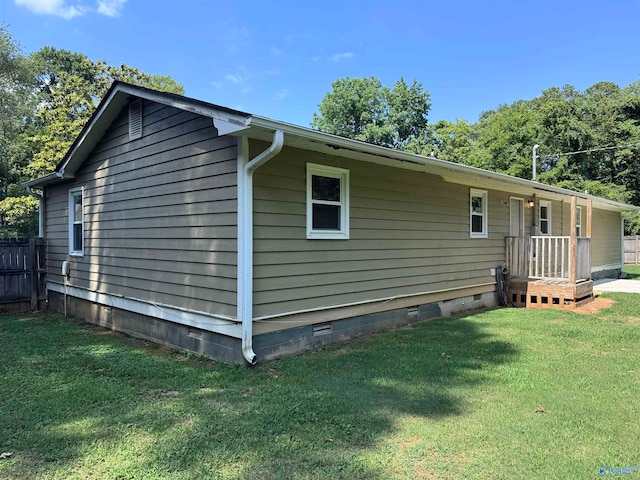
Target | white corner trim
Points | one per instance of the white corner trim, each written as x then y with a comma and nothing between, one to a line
192,318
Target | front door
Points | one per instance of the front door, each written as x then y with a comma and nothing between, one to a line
516,209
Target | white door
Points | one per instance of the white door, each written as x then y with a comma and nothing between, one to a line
516,216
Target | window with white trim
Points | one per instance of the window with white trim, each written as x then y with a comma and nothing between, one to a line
544,214
478,213
76,221
327,202
578,221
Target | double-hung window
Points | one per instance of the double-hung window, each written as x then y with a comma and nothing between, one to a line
478,213
545,217
76,221
327,202
578,221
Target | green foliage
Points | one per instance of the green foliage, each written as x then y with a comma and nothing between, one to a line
45,101
19,217
366,110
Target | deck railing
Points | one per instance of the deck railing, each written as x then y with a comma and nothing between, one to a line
549,257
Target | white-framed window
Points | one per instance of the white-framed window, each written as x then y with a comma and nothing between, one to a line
327,202
578,221
544,214
76,221
478,213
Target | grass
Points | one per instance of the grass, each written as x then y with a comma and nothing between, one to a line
502,394
632,271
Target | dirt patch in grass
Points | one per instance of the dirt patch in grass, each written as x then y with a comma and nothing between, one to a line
594,306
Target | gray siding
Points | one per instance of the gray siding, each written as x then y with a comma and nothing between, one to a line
409,234
160,214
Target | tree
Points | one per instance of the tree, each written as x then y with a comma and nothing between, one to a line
17,101
366,110
45,100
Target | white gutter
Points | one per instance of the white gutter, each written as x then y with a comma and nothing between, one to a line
245,237
40,211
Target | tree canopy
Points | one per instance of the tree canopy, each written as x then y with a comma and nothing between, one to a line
366,110
45,100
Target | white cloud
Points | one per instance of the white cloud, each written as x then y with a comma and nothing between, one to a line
282,94
276,52
217,85
338,57
58,8
110,8
234,78
61,8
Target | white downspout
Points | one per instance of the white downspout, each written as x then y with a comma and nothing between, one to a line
245,237
40,211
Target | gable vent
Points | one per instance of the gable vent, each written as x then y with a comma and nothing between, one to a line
135,119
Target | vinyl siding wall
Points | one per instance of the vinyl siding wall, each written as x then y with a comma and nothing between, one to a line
606,244
409,234
160,219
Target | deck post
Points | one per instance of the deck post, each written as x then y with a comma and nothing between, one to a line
572,243
589,213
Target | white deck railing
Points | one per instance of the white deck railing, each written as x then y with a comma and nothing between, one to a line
548,257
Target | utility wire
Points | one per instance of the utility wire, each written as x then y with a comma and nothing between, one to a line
599,149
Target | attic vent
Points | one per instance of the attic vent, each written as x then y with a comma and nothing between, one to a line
135,119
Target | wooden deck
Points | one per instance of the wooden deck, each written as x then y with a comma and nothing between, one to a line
549,292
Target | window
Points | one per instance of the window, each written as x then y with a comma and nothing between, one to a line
76,221
578,221
327,202
478,213
545,217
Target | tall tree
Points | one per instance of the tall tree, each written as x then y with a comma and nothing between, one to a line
366,110
45,100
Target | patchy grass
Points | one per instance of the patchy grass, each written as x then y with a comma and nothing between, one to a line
502,394
632,271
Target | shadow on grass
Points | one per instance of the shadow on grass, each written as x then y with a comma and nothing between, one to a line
111,406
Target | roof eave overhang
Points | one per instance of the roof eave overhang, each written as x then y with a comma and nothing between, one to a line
304,138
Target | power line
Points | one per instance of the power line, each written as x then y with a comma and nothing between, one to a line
598,149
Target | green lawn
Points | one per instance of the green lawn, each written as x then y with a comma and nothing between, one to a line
502,394
632,271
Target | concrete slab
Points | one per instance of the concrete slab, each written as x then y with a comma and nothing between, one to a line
616,285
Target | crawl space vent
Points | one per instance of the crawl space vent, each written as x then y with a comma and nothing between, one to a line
322,329
135,119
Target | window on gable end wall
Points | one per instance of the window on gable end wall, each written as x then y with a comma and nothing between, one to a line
76,221
478,213
544,214
327,202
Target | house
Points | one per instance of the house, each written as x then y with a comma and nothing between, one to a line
244,238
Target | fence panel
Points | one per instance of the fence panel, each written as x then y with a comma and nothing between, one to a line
22,271
632,249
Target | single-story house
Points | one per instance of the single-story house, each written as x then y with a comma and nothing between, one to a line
244,238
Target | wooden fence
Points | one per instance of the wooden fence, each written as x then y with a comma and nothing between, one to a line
22,274
632,249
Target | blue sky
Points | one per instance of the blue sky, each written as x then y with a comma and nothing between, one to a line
278,58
